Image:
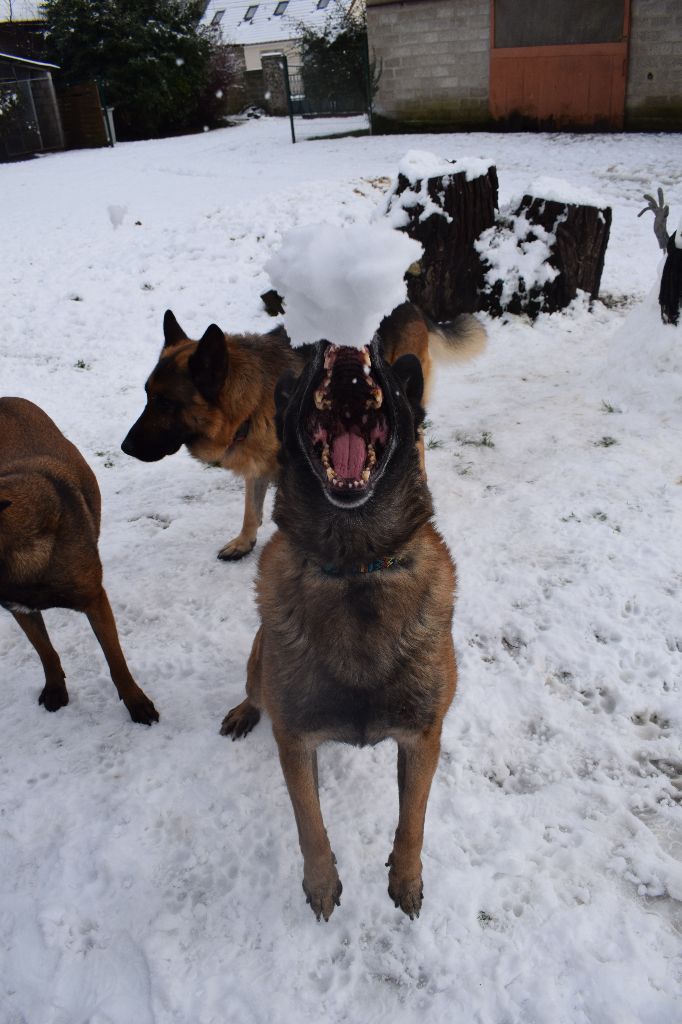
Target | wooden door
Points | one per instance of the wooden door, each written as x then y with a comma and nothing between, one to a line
559,63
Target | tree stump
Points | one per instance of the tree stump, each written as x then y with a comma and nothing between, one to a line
539,256
446,212
670,295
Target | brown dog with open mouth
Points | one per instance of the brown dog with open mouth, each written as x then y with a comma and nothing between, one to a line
49,528
216,396
356,593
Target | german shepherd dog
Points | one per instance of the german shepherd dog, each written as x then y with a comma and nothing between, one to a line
216,396
356,593
49,528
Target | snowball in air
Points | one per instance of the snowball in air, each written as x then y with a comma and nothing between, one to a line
339,282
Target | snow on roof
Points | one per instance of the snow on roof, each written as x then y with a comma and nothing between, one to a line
20,10
263,25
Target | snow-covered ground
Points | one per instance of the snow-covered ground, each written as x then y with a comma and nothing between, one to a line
152,876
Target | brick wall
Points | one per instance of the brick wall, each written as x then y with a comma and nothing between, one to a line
654,92
435,62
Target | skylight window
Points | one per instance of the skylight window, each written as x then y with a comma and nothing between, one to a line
217,17
281,6
250,11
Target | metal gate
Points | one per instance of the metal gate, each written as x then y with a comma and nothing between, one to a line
33,124
559,63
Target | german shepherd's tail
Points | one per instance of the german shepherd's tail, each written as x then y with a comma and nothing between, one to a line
458,340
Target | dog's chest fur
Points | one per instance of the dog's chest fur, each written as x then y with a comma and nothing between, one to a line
354,660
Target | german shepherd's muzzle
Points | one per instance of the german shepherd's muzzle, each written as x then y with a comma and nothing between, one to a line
356,556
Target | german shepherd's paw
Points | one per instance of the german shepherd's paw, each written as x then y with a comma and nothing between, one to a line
240,720
140,708
407,894
323,894
54,697
236,549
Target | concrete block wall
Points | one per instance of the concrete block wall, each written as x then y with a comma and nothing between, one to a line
435,62
654,90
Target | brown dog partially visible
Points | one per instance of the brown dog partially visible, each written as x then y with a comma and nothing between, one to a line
355,592
49,528
216,396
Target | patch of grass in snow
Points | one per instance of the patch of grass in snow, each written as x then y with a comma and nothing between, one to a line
80,364
485,440
605,442
607,407
434,442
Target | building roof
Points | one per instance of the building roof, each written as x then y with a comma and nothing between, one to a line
264,26
20,10
28,63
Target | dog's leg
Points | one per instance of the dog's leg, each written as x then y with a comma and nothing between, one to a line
321,882
54,694
102,621
241,720
255,488
417,763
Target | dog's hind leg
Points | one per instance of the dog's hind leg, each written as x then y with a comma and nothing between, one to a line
417,761
103,624
255,488
54,694
321,882
240,720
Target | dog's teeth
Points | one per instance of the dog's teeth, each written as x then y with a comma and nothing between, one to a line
365,475
331,473
366,368
320,401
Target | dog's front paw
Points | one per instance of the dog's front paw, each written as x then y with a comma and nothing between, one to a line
323,892
406,893
140,708
236,549
240,720
54,697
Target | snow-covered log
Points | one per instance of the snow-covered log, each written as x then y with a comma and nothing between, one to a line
545,249
445,205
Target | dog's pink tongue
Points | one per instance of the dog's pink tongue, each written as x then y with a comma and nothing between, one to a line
348,455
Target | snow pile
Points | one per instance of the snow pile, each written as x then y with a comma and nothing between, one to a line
516,254
419,167
645,359
339,282
559,191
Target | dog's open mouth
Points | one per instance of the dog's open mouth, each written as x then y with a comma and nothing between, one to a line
348,426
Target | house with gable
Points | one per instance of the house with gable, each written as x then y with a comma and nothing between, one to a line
264,32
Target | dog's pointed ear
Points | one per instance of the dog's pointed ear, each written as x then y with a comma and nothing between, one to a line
4,503
284,389
209,364
172,331
408,370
